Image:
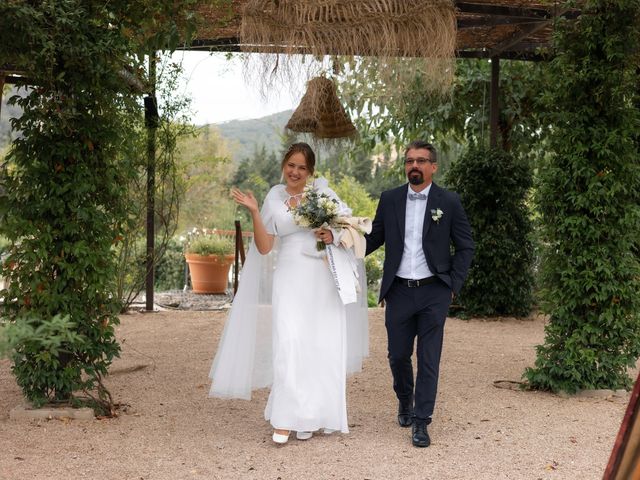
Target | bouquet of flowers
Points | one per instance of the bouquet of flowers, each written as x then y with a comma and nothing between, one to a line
315,210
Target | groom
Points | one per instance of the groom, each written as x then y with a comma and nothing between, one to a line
418,222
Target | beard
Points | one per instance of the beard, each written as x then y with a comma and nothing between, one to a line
415,179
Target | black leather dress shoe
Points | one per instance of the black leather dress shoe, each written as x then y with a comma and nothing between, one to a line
419,436
405,415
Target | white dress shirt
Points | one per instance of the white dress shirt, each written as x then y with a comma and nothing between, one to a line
414,264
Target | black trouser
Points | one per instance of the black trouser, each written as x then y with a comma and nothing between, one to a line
416,312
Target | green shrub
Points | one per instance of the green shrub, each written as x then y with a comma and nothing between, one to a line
5,243
354,195
38,348
372,298
493,186
373,267
170,268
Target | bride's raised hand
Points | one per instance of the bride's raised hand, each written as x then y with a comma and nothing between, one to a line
245,199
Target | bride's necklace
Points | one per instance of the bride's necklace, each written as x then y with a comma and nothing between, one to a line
293,200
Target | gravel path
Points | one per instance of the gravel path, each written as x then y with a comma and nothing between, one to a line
170,430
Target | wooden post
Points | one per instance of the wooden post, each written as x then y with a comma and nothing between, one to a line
494,107
624,462
151,124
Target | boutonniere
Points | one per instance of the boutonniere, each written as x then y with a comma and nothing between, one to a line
436,214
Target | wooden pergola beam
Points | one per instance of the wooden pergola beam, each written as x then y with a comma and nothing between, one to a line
503,10
482,22
527,52
530,56
13,79
523,33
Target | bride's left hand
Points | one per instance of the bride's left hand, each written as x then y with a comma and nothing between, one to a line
324,235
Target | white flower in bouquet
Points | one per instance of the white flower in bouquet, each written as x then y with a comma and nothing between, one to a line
329,205
301,221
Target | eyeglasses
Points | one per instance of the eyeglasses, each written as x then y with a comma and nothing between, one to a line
419,161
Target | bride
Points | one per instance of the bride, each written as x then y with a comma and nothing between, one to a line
288,325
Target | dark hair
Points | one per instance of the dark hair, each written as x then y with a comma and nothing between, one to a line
421,144
304,149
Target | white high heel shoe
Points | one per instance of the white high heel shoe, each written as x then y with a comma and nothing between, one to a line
304,435
328,431
280,437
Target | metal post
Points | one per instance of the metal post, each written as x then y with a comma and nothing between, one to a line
186,276
151,123
493,102
239,257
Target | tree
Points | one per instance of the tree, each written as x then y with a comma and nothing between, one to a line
206,168
258,173
446,121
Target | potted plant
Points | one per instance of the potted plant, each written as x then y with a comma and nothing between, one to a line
210,256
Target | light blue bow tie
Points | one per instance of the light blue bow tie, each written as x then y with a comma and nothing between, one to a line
417,196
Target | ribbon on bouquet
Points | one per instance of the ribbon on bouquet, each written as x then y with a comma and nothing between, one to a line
344,271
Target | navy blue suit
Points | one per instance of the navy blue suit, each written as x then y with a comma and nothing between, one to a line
420,311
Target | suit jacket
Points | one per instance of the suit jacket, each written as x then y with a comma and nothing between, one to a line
437,236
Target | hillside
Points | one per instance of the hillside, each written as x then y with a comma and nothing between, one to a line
245,135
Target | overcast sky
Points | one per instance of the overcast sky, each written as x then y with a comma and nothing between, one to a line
220,92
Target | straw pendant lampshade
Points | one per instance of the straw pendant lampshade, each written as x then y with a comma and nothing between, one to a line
387,30
321,113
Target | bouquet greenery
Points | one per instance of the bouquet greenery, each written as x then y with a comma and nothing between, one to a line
315,210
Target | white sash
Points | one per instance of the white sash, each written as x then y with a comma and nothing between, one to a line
344,272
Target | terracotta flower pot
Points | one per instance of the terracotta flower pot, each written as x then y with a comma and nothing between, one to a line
209,273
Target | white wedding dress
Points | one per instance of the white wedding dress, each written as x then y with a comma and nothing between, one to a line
316,339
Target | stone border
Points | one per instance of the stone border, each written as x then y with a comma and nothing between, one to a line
185,300
25,412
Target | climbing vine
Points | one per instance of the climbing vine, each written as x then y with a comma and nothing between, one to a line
64,206
589,204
